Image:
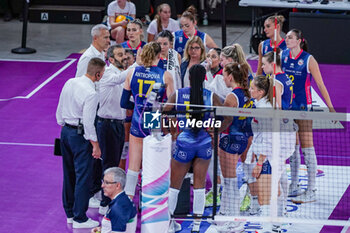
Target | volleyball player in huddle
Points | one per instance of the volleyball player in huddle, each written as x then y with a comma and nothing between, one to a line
170,60
268,45
212,64
234,142
299,65
193,145
139,83
188,24
134,33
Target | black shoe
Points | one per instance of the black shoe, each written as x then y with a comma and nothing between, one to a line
7,16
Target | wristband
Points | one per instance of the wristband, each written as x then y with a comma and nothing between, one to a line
260,165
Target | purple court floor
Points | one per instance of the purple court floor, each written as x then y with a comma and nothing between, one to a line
31,177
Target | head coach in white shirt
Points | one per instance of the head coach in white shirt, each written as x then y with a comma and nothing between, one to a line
100,42
76,112
110,116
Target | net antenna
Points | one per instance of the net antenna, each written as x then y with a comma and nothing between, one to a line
274,64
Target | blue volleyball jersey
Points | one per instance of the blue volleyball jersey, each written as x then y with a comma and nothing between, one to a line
181,38
141,85
183,97
240,125
267,46
163,63
188,136
287,90
298,72
127,45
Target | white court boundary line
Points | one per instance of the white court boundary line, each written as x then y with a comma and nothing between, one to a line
52,61
25,144
44,83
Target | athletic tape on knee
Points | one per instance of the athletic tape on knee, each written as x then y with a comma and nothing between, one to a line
294,162
311,164
198,201
131,182
173,195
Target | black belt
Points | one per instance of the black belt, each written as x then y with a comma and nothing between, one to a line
111,120
71,126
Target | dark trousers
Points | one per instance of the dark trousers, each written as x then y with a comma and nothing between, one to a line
110,134
77,173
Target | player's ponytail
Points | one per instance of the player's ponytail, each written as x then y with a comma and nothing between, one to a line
280,19
190,13
149,53
265,84
157,17
270,57
239,73
197,75
303,42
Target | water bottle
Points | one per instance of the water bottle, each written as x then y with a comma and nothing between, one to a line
205,19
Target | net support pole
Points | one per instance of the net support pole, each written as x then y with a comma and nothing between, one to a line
223,23
275,163
215,178
23,49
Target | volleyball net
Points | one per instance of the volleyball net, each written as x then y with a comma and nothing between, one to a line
259,188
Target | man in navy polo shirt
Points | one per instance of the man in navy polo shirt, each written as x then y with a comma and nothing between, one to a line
121,215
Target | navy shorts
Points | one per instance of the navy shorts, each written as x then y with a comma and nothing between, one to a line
187,154
139,133
233,144
266,168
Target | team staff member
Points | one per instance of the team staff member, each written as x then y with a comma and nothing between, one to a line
121,214
110,121
100,42
268,45
188,24
298,65
139,83
76,112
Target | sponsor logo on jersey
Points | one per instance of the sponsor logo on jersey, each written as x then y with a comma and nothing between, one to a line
300,62
292,65
180,39
285,59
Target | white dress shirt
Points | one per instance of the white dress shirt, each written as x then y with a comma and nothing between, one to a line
83,62
110,89
78,100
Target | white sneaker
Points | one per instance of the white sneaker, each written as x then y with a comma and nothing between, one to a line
88,224
69,220
174,226
295,190
255,210
196,226
102,210
306,197
94,202
231,227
